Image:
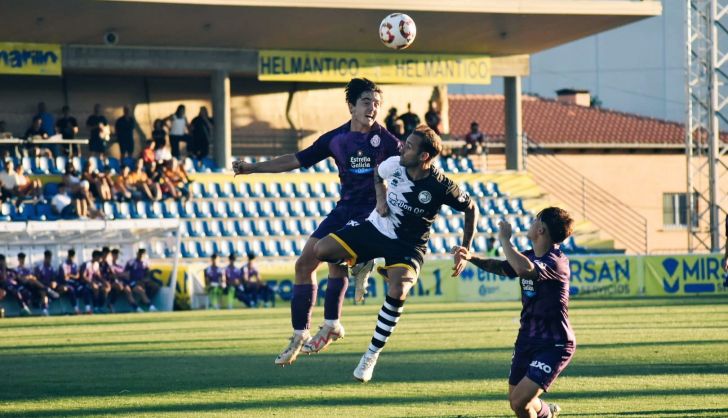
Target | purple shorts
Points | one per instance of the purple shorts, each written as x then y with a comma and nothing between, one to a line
540,363
341,216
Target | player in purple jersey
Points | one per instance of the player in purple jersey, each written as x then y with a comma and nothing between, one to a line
357,147
545,342
47,275
69,274
30,282
725,257
140,279
119,278
215,283
11,286
235,287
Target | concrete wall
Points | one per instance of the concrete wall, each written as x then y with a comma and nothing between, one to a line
639,180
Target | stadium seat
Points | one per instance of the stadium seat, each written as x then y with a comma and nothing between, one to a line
280,209
445,211
491,189
195,189
209,191
316,189
299,190
114,165
122,210
435,245
439,226
260,228
333,189
235,210
170,209
254,246
484,207
311,208
189,165
295,208
307,226
320,167
50,190
264,208
285,190
43,212
285,248
275,227
223,190
153,210
128,162
188,249
23,212
202,209
326,206
138,210
212,229
60,165
227,228
269,190
290,227
250,209
42,165
218,209
269,248
195,229
522,243
483,226
238,190
298,246
238,247
254,189
210,165
204,249
479,244
7,211
455,224
186,210
244,228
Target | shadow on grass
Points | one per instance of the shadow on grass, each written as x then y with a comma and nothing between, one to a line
680,412
361,401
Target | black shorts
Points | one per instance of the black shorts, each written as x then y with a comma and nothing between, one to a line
364,242
540,363
341,216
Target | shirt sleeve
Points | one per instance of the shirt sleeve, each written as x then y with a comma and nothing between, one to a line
387,168
318,151
508,270
455,197
552,267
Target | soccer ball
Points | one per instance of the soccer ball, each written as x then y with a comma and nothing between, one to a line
397,31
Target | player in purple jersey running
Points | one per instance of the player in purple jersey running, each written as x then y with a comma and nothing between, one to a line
357,147
545,342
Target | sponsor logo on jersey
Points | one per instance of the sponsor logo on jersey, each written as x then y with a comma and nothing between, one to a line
528,288
542,366
396,202
463,197
424,197
352,223
375,141
360,163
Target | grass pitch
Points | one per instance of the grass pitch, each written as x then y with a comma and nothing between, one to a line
634,358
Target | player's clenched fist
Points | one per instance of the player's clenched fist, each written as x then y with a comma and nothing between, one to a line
241,167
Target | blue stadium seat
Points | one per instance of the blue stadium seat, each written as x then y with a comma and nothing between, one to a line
479,244
260,228
227,228
154,210
195,189
244,228
186,210
212,229
269,248
7,211
195,229
43,212
269,190
464,165
189,165
515,206
50,190
439,226
170,210
295,208
24,212
493,223
60,165
455,224
253,246
42,166
264,208
250,209
326,206
316,189
218,209
483,226
484,208
290,227
204,249
285,190
122,210
223,190
311,208
238,190
114,164
235,210
331,164
436,245
298,247
320,167
202,209
280,209
138,210
492,189
285,248
227,247
254,189
208,191
332,189
275,227
210,165
522,243
299,190
446,210
128,162
307,226
188,249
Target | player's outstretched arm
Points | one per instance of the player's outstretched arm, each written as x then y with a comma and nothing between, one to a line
471,215
490,265
280,164
519,262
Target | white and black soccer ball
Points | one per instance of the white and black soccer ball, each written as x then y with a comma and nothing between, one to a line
397,31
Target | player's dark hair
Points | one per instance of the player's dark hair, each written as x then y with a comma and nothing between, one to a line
141,251
558,222
251,256
357,86
71,252
95,253
21,255
105,250
231,257
2,257
430,140
214,256
47,253
115,251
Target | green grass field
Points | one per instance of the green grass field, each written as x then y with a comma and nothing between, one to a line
635,358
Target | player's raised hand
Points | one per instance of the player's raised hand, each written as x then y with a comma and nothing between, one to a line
505,230
241,167
461,255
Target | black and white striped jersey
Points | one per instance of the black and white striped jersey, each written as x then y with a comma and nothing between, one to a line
413,205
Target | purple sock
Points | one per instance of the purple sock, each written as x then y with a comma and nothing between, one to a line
304,297
544,412
335,293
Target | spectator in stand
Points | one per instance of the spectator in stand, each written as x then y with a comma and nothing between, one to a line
119,185
140,279
474,140
433,118
410,121
6,150
99,132
147,156
9,180
97,183
67,126
178,130
48,123
25,187
36,134
159,134
124,128
66,207
215,283
390,119
201,130
4,133
11,286
139,180
176,180
68,275
161,153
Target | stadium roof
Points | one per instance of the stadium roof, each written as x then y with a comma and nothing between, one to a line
494,27
555,124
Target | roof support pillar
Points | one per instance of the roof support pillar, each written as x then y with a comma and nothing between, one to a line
221,114
513,123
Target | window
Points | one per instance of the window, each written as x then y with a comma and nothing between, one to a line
675,209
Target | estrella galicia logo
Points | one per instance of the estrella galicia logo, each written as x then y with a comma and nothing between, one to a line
360,163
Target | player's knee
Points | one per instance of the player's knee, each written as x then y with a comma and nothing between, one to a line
517,404
306,263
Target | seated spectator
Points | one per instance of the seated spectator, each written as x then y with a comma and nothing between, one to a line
474,140
159,133
235,288
27,187
147,156
432,117
98,184
161,153
9,180
119,189
36,133
63,205
140,181
175,180
67,126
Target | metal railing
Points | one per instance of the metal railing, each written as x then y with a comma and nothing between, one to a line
625,225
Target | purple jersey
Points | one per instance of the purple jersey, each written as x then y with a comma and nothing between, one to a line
356,154
213,274
67,268
545,313
8,278
249,272
233,273
22,271
45,273
137,269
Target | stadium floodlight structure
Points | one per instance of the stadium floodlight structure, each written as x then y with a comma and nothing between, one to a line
86,235
707,111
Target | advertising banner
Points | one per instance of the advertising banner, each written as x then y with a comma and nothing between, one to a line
605,276
30,59
680,275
